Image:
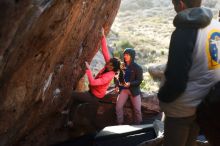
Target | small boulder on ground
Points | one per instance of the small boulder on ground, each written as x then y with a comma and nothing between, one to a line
157,71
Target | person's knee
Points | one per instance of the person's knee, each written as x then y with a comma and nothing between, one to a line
137,109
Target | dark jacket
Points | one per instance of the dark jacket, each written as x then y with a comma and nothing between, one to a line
181,48
136,74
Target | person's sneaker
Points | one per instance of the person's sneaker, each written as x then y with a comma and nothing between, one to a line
65,112
69,124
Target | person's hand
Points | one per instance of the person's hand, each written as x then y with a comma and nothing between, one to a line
103,31
87,65
122,66
116,89
127,84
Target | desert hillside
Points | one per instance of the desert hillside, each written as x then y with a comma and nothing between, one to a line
147,25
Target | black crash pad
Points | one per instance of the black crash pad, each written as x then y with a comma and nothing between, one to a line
124,135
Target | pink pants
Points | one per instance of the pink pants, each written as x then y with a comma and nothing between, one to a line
136,102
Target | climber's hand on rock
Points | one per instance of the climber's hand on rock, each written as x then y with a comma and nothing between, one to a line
103,31
116,89
87,65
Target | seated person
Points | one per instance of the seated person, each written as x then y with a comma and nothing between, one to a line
128,85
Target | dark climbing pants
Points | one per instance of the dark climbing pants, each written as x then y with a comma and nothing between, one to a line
85,97
79,99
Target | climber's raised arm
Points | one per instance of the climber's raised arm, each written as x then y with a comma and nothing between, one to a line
105,51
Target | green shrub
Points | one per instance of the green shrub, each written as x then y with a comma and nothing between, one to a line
125,44
118,53
145,85
120,46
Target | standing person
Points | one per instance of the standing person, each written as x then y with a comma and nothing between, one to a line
192,69
98,85
129,85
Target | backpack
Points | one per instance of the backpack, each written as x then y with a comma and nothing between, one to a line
208,117
210,104
213,97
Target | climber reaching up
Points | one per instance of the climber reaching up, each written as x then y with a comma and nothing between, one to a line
99,84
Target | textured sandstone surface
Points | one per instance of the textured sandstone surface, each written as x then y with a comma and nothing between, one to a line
43,47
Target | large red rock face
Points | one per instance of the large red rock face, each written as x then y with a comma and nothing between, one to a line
43,47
